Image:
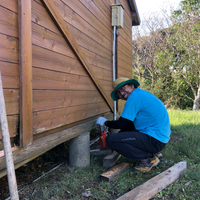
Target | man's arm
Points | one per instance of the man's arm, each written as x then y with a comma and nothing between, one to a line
121,123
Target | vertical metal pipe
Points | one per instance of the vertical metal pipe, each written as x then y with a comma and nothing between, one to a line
114,38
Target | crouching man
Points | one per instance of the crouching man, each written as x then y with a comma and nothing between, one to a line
144,125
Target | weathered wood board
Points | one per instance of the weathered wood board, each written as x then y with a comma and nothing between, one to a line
156,184
115,171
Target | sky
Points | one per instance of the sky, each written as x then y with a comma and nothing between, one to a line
145,6
153,10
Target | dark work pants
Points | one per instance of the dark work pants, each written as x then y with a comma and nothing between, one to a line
133,144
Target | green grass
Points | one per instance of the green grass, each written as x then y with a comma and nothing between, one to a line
184,145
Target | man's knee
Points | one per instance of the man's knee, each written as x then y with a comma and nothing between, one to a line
109,140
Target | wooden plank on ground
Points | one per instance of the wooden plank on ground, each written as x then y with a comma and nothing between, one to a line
111,159
115,171
25,69
49,4
156,184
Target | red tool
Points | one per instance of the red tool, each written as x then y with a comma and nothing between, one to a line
103,140
102,137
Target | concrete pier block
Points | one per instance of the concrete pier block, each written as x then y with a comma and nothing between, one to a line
79,151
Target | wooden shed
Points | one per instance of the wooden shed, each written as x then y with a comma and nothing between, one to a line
56,63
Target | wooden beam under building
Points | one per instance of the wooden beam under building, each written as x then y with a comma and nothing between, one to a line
25,72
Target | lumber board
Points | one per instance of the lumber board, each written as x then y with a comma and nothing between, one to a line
127,44
10,5
126,34
124,50
124,58
9,49
52,99
13,121
8,22
111,159
124,73
89,44
115,171
75,20
104,9
69,37
50,119
13,149
46,59
40,145
91,6
102,73
97,60
127,13
11,101
41,17
107,85
155,184
45,38
52,80
18,165
10,75
124,65
82,11
25,72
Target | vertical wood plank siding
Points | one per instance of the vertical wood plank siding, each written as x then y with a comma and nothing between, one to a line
25,72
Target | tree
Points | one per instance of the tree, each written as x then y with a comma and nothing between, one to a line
167,61
183,52
149,41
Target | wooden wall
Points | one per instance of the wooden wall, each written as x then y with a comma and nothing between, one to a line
63,92
9,62
124,50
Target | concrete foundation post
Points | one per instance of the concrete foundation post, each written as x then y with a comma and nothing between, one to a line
79,151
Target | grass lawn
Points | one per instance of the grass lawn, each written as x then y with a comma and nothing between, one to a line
184,145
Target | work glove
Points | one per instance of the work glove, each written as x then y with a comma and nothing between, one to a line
100,121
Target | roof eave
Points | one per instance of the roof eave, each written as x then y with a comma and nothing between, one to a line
134,13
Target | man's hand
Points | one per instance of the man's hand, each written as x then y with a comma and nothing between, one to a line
100,121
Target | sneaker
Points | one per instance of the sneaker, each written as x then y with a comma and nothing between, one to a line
145,165
159,155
